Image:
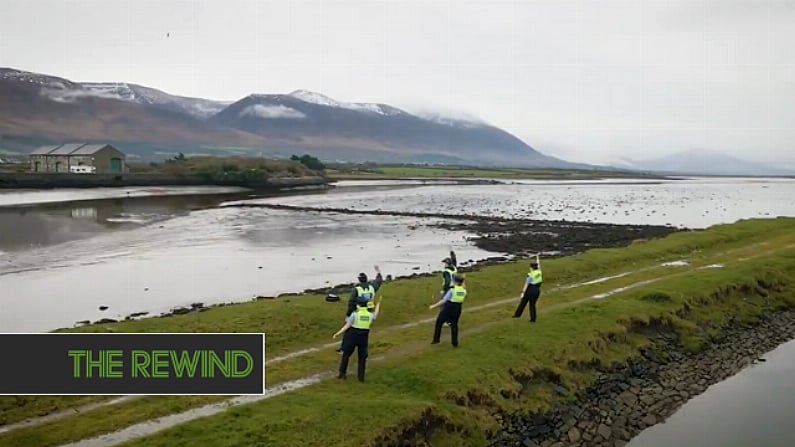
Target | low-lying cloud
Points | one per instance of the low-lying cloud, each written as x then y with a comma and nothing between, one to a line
271,112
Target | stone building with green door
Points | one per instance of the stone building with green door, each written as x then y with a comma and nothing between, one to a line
78,158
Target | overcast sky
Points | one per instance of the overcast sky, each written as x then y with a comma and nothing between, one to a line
589,81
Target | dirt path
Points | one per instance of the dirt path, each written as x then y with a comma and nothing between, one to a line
150,427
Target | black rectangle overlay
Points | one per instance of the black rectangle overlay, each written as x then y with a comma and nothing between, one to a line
132,363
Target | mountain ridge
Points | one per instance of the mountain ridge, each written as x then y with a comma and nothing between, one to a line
148,121
705,162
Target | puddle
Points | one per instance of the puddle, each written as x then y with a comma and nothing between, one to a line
675,264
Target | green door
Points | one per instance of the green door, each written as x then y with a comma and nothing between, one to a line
115,165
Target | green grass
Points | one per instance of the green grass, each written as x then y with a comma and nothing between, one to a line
399,171
506,368
17,408
296,322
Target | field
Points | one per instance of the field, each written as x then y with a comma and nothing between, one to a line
411,171
417,392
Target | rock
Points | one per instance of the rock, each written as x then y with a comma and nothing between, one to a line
574,435
646,399
650,420
105,320
529,443
180,310
604,431
629,398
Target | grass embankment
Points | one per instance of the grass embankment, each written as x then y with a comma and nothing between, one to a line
293,323
450,395
408,171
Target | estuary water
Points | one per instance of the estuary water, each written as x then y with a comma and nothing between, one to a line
63,254
752,408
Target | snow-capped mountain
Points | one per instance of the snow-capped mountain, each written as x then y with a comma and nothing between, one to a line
40,109
201,108
63,90
45,81
323,100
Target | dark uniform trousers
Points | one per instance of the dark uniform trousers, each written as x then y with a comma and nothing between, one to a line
450,313
531,295
354,339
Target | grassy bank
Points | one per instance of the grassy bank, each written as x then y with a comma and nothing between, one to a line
572,329
354,172
448,395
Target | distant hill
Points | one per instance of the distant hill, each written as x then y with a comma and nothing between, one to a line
705,162
39,109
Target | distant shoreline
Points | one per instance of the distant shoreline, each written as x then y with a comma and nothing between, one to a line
58,181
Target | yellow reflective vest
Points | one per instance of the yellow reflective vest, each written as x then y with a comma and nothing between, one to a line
362,318
459,294
365,293
452,271
535,277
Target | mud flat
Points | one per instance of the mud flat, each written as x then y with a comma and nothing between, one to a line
645,390
517,237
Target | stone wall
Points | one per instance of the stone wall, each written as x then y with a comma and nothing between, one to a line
645,391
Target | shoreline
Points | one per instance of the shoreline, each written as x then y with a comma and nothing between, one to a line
508,236
37,181
647,389
551,239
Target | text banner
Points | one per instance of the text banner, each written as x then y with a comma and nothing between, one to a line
139,363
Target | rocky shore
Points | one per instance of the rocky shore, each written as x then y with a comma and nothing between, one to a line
640,393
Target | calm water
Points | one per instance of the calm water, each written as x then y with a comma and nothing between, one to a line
752,409
60,261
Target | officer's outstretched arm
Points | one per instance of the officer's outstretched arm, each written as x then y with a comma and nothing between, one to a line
342,329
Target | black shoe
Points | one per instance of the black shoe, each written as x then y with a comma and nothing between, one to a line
339,351
516,316
342,377
435,342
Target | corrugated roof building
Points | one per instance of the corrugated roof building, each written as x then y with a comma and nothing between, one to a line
81,158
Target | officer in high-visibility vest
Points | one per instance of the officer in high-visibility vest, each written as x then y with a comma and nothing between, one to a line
531,291
357,333
450,269
365,290
452,302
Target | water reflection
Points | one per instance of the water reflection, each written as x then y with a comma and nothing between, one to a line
54,223
753,408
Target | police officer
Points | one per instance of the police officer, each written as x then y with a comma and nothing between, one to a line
450,269
531,291
357,333
453,301
365,290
